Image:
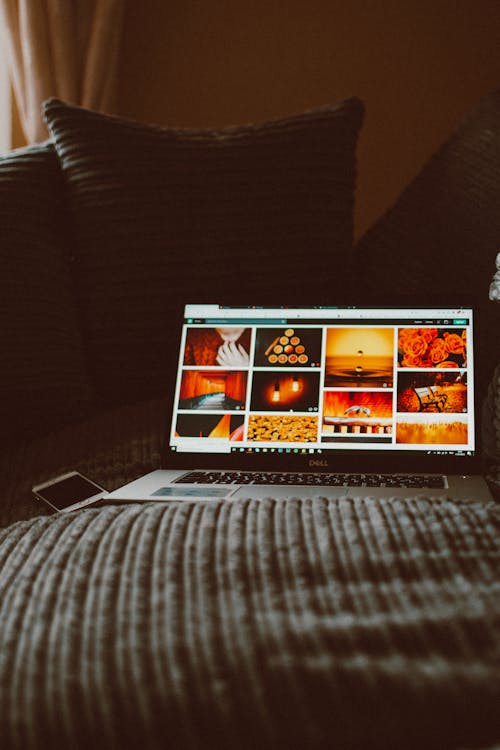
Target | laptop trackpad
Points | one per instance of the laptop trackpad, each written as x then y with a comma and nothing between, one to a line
275,491
186,491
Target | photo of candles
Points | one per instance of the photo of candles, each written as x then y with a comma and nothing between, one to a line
285,391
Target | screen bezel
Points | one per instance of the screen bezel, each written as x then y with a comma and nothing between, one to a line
338,460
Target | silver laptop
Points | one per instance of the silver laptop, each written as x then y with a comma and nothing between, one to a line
320,401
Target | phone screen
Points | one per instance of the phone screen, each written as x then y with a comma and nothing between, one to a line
68,491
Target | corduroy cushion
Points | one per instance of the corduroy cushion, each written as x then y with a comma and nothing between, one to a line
442,235
112,447
165,216
348,623
43,381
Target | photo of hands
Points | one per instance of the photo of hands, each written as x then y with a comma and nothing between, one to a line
225,347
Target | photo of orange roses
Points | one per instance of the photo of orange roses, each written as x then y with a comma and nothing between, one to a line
432,347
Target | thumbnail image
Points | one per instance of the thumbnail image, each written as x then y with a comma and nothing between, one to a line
438,429
285,391
439,391
359,357
432,347
291,429
288,347
225,346
355,413
229,426
217,390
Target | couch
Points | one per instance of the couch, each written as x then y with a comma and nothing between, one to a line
295,624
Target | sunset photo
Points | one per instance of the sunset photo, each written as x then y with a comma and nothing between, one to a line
359,357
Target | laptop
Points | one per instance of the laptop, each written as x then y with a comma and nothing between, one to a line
320,401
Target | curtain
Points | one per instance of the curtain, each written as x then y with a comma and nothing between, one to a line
63,48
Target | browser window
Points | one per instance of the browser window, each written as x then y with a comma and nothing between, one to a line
316,380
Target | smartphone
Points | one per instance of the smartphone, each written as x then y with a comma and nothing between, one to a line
69,492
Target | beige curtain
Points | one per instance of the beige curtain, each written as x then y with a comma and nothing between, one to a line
63,48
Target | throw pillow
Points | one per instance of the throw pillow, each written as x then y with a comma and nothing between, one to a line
490,414
440,239
491,406
164,216
43,381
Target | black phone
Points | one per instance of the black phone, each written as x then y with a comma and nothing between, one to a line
69,492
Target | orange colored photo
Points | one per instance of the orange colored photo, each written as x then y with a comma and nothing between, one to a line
359,357
432,347
435,430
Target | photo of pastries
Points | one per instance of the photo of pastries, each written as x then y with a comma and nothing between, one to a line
291,429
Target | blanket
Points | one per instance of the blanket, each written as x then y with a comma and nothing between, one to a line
322,623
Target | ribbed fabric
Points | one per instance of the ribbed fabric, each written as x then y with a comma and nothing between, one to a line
491,432
440,239
111,448
43,379
352,623
166,216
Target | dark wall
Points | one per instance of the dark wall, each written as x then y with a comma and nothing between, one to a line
419,67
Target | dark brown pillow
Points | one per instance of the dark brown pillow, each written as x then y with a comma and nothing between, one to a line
440,239
43,381
165,216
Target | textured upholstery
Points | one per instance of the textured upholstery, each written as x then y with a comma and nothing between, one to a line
441,237
355,623
163,216
112,448
491,430
43,377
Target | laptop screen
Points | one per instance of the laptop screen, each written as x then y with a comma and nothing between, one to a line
320,380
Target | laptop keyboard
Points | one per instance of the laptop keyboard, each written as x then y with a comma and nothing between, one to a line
312,479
